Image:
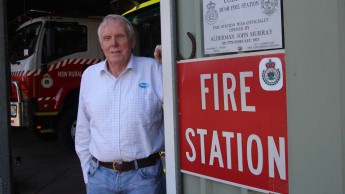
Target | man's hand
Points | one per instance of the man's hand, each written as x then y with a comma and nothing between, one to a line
158,54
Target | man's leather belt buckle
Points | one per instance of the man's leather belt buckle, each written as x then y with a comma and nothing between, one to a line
117,167
121,166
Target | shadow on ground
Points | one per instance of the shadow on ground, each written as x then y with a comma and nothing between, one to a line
43,166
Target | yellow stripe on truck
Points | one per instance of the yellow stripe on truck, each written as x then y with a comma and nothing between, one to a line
147,3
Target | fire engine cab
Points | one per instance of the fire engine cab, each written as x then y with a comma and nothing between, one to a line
48,56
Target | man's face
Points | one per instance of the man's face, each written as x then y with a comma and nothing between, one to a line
116,43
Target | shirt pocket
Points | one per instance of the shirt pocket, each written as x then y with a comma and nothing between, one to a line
143,107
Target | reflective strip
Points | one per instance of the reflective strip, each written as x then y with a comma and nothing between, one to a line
46,113
37,72
51,67
83,61
64,63
76,61
30,72
58,65
46,99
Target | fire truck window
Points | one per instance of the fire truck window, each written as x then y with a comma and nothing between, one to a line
148,36
146,22
69,38
24,42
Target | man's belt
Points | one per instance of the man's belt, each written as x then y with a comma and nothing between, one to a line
120,166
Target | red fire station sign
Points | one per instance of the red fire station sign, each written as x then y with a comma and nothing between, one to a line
233,120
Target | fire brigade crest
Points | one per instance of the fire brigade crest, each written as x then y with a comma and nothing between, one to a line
269,6
47,81
211,15
271,74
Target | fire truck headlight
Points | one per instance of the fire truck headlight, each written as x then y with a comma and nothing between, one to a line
13,110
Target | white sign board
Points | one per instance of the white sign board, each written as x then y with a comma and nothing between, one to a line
242,25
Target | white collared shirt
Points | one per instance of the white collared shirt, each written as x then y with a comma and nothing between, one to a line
120,118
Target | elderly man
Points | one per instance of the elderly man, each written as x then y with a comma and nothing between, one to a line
120,117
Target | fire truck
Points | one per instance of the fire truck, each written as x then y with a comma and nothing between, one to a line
145,18
47,58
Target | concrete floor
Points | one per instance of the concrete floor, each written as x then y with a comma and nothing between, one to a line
45,167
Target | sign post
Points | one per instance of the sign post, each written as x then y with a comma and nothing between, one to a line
233,120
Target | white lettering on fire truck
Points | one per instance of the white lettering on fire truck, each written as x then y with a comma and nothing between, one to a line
276,157
228,91
69,73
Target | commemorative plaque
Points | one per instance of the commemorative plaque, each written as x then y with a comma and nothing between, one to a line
242,25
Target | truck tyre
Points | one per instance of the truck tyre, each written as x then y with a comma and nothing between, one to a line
66,128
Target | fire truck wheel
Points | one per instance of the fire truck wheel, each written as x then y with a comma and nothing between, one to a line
66,128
